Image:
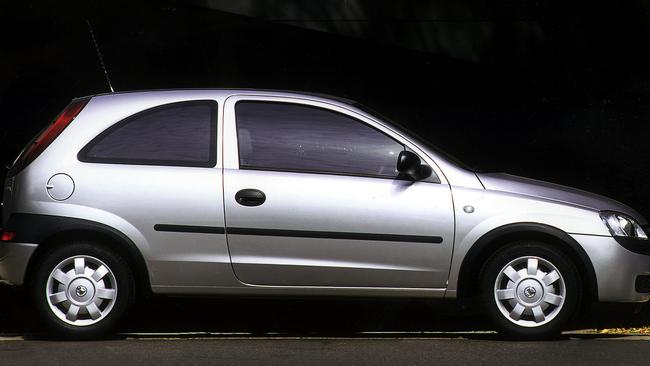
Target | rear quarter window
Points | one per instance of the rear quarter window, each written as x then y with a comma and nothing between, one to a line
177,134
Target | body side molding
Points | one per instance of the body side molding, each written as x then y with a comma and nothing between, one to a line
297,233
335,235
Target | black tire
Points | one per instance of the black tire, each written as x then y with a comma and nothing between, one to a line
569,274
124,298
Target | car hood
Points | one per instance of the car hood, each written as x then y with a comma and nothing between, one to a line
555,192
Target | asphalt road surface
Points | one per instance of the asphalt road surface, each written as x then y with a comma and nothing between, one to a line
327,351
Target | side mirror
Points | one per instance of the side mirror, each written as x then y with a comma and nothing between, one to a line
409,164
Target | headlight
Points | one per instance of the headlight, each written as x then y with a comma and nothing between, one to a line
622,225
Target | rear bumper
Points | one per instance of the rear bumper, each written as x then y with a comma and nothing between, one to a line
616,267
14,258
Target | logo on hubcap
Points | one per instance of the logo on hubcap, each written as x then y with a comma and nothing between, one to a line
81,291
530,292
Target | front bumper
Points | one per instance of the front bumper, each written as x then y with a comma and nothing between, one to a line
14,258
616,268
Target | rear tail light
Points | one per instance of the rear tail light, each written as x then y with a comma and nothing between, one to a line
49,134
8,235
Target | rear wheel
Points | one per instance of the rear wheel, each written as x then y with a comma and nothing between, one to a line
531,290
82,290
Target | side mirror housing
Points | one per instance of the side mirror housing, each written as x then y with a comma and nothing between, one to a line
408,164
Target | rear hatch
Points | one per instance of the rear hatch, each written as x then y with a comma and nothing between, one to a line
34,148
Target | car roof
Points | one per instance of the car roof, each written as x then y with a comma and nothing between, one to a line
230,91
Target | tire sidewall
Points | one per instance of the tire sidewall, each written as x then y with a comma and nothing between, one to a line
567,270
123,278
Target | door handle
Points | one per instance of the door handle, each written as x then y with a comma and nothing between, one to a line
250,197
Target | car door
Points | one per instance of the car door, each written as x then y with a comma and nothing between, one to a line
312,198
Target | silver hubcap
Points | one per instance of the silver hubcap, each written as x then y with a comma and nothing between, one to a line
530,291
81,290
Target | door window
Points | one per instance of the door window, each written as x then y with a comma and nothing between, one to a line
293,137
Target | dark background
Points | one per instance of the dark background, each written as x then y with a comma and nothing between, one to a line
555,90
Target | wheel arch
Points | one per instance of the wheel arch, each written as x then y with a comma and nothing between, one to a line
495,239
48,231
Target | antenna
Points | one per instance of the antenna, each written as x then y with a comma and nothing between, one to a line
99,55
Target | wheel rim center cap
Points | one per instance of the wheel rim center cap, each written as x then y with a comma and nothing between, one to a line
530,291
81,291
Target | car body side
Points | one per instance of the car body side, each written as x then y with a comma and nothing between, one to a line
200,263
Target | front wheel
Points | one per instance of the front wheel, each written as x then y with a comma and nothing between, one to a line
531,291
82,290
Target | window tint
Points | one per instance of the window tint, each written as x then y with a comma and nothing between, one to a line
282,136
173,134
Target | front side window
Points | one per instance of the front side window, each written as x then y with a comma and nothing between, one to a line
177,134
293,137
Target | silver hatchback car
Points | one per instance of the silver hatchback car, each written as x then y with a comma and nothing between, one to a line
241,192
